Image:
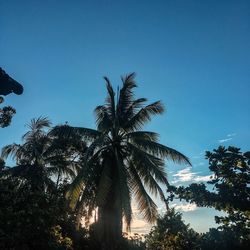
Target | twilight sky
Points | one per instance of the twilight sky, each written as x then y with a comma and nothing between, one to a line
192,55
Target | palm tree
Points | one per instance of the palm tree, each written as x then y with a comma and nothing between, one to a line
42,155
122,161
63,155
29,156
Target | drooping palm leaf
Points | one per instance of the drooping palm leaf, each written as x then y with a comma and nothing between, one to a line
143,135
154,165
160,150
10,150
145,204
77,185
143,116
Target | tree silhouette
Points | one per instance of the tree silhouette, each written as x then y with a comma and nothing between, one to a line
121,161
171,232
231,192
6,114
42,155
7,85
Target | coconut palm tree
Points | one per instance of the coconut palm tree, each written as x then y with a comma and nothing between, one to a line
29,156
42,155
122,161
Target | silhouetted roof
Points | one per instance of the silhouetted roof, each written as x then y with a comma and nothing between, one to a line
9,85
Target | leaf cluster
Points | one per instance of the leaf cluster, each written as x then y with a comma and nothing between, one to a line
231,191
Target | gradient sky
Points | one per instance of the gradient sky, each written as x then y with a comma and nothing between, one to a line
192,55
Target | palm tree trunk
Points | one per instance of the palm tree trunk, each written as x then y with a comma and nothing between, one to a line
110,221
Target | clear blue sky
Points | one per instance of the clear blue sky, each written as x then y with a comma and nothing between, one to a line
192,55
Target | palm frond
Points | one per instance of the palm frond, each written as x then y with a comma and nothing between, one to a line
110,100
71,132
39,123
10,150
148,180
103,119
37,128
126,95
101,142
77,186
143,116
145,204
65,168
150,163
160,150
133,109
143,135
75,189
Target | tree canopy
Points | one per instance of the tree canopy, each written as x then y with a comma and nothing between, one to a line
7,85
230,182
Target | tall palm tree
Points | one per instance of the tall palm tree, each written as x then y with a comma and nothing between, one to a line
122,161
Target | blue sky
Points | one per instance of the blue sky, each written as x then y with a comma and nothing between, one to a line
192,55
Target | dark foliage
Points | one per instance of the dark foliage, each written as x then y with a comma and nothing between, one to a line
231,185
171,232
6,114
7,85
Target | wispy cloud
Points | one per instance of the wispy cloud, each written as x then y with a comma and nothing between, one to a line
203,178
225,140
185,207
139,224
186,175
231,135
228,138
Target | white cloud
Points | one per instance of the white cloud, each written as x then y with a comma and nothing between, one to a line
186,175
225,140
228,138
231,135
185,207
203,178
161,209
139,226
